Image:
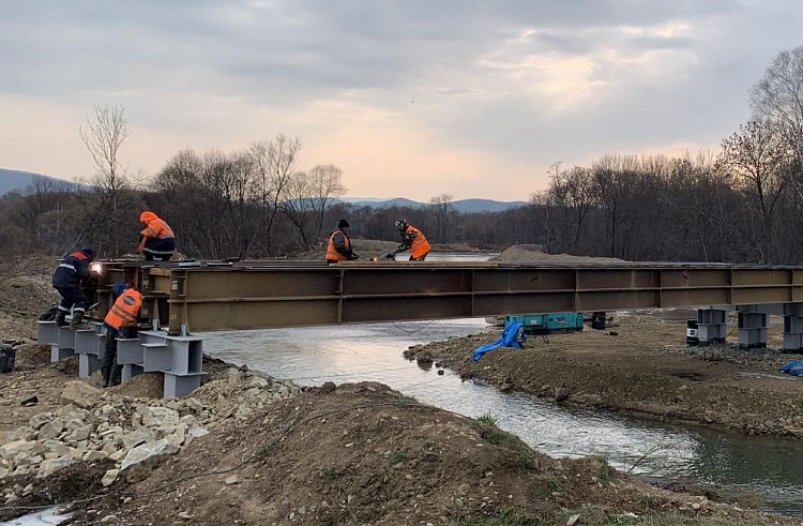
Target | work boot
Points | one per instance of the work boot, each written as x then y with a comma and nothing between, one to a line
106,372
60,321
117,375
77,318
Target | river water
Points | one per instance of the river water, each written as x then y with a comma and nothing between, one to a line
730,463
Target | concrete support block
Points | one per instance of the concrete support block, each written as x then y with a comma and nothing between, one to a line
180,385
87,365
186,356
129,351
47,333
100,345
156,357
792,333
66,337
58,354
752,329
712,325
130,370
86,341
793,309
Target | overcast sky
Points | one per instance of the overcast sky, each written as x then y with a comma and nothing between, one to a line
409,98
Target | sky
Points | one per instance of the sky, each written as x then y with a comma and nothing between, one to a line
410,98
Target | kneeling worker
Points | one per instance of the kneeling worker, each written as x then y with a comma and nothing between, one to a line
68,279
122,314
339,246
157,240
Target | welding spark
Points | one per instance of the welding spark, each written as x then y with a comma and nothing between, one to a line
96,267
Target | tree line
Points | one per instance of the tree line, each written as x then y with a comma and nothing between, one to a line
740,204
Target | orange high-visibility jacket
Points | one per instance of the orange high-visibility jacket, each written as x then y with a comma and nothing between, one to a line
419,245
331,252
124,311
155,226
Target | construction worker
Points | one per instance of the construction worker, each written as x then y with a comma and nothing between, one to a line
339,246
68,279
122,315
157,240
412,240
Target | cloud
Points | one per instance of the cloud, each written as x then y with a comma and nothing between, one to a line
455,91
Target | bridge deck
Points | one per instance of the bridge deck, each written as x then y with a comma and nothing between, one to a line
263,294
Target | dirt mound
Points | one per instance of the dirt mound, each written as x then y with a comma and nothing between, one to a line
78,481
145,385
363,454
536,254
25,288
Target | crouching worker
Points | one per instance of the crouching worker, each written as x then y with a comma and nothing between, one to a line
120,317
157,240
68,279
339,246
412,239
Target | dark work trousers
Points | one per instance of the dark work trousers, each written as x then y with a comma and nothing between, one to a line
72,298
109,367
156,248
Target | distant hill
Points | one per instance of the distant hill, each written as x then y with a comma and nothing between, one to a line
11,180
461,205
18,180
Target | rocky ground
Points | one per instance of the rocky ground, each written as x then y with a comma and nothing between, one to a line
249,449
643,366
245,449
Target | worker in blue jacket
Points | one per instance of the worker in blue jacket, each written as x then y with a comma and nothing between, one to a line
68,279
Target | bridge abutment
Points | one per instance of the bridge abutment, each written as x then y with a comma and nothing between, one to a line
712,324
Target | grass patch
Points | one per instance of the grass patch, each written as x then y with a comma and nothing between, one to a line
552,485
487,419
330,474
679,519
397,456
501,518
521,454
604,470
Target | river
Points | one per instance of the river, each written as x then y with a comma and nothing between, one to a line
727,462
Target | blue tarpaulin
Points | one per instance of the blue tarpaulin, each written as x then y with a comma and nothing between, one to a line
794,367
512,336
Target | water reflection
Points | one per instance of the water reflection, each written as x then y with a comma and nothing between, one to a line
313,355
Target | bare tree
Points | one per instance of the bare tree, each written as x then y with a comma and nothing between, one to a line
306,198
275,163
103,137
756,155
297,206
778,98
442,205
325,185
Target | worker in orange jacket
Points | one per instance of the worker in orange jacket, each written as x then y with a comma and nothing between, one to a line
121,317
339,246
413,240
157,240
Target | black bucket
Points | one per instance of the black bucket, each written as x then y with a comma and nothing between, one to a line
598,321
8,356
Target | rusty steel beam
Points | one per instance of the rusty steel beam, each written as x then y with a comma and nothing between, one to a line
258,294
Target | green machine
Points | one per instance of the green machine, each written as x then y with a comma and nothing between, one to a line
548,322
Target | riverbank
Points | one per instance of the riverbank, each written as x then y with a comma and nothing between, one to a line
642,366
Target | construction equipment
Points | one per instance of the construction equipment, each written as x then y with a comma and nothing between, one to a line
547,322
